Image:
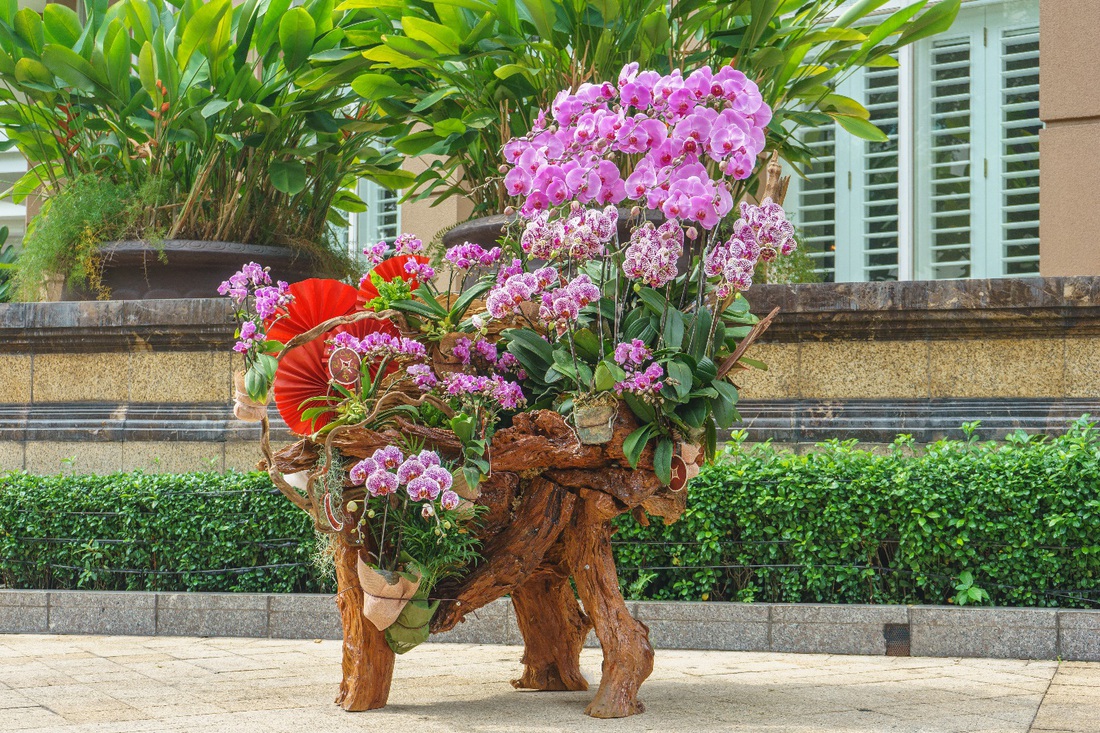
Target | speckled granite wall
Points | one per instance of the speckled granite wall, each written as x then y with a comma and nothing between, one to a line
96,387
869,360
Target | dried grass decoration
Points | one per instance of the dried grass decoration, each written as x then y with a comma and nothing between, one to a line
386,593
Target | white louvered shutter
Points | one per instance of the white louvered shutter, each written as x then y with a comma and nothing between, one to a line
947,162
14,216
815,201
878,245
382,219
1019,150
954,193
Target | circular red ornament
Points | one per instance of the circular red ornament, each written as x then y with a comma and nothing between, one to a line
344,365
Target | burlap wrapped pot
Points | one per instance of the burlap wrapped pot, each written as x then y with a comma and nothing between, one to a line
385,593
244,407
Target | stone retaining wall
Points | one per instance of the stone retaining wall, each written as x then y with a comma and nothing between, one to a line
926,631
98,387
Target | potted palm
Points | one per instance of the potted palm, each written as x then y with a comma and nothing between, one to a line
475,75
169,142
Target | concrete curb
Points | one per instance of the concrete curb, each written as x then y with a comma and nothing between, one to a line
927,631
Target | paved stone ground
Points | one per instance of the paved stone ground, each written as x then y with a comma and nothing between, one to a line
208,685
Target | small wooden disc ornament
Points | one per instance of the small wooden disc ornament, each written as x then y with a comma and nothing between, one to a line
344,365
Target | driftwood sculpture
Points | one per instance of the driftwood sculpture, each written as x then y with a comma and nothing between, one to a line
550,501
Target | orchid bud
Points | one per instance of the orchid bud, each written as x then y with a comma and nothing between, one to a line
691,233
636,211
427,511
370,514
509,210
353,507
502,168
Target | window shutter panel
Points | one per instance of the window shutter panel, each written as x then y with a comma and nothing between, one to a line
880,196
382,219
13,216
814,203
949,165
1019,150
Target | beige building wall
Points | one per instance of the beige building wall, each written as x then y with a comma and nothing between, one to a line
1069,104
425,220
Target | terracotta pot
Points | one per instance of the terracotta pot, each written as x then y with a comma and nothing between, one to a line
385,594
244,407
182,268
595,423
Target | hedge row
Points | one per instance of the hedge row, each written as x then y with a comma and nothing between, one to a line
195,532
843,525
838,524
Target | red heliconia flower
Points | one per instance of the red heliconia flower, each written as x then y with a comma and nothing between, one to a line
389,270
316,300
303,374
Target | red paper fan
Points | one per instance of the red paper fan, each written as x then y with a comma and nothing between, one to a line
315,301
303,374
389,270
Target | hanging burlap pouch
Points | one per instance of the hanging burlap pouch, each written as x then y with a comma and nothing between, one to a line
385,593
244,407
410,630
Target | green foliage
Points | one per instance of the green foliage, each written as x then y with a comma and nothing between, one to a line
242,111
693,337
473,74
66,235
1013,523
165,530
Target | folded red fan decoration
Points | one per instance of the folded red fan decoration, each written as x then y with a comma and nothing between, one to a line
304,376
315,301
389,270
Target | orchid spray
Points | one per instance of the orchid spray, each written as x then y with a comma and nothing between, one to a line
599,309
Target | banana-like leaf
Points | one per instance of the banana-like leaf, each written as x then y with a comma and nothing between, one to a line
296,34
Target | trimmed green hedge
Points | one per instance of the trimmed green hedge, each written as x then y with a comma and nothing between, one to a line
843,525
195,532
838,524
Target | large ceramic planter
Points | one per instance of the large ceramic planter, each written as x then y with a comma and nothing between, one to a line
180,268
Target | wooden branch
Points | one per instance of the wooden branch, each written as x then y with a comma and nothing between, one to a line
390,316
511,555
367,658
628,656
757,331
553,627
277,477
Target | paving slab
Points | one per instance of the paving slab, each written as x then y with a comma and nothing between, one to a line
117,684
